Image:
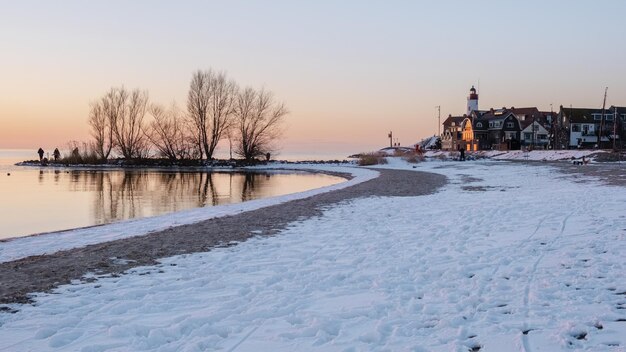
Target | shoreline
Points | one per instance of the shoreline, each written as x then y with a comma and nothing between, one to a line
346,176
42,273
34,244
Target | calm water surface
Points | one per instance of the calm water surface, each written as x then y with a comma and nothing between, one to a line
35,200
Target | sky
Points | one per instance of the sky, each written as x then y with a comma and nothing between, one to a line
348,71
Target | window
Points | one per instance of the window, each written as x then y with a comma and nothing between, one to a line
509,125
510,135
608,117
479,124
490,124
586,130
575,127
452,124
542,136
528,136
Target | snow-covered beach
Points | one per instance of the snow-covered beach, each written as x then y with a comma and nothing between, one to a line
505,257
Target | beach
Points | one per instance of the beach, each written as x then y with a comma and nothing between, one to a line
44,272
434,256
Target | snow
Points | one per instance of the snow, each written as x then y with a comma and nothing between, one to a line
524,260
53,242
535,155
426,143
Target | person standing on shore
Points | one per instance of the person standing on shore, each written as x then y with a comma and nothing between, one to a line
40,152
56,154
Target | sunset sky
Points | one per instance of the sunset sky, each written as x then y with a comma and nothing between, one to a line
349,71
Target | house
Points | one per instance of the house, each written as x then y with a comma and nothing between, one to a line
584,126
536,127
619,114
452,136
497,129
534,135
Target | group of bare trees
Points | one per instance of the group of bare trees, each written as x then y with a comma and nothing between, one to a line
217,108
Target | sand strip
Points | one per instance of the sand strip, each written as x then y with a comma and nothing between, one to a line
44,273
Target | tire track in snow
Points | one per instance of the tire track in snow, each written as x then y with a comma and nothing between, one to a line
537,228
531,278
244,338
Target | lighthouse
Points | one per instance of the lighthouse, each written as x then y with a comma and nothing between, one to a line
472,101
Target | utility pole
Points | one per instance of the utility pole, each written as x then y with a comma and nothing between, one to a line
602,119
615,128
553,120
533,130
439,120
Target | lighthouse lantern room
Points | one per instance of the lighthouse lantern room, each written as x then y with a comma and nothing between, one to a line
472,101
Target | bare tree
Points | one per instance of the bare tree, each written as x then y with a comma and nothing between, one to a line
210,107
125,112
130,131
168,132
258,120
100,130
198,100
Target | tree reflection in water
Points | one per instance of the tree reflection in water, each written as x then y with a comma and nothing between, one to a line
66,199
130,194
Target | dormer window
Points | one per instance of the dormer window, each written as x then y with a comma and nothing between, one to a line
509,125
479,124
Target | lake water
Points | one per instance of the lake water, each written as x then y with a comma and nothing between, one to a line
44,199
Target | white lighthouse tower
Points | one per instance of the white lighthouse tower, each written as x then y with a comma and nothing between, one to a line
472,101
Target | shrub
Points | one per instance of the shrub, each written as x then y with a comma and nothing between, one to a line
442,157
371,159
414,157
80,153
399,152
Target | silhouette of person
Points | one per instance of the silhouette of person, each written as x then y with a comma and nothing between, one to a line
462,150
56,154
267,156
40,152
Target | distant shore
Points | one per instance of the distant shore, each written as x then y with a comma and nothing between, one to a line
165,163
